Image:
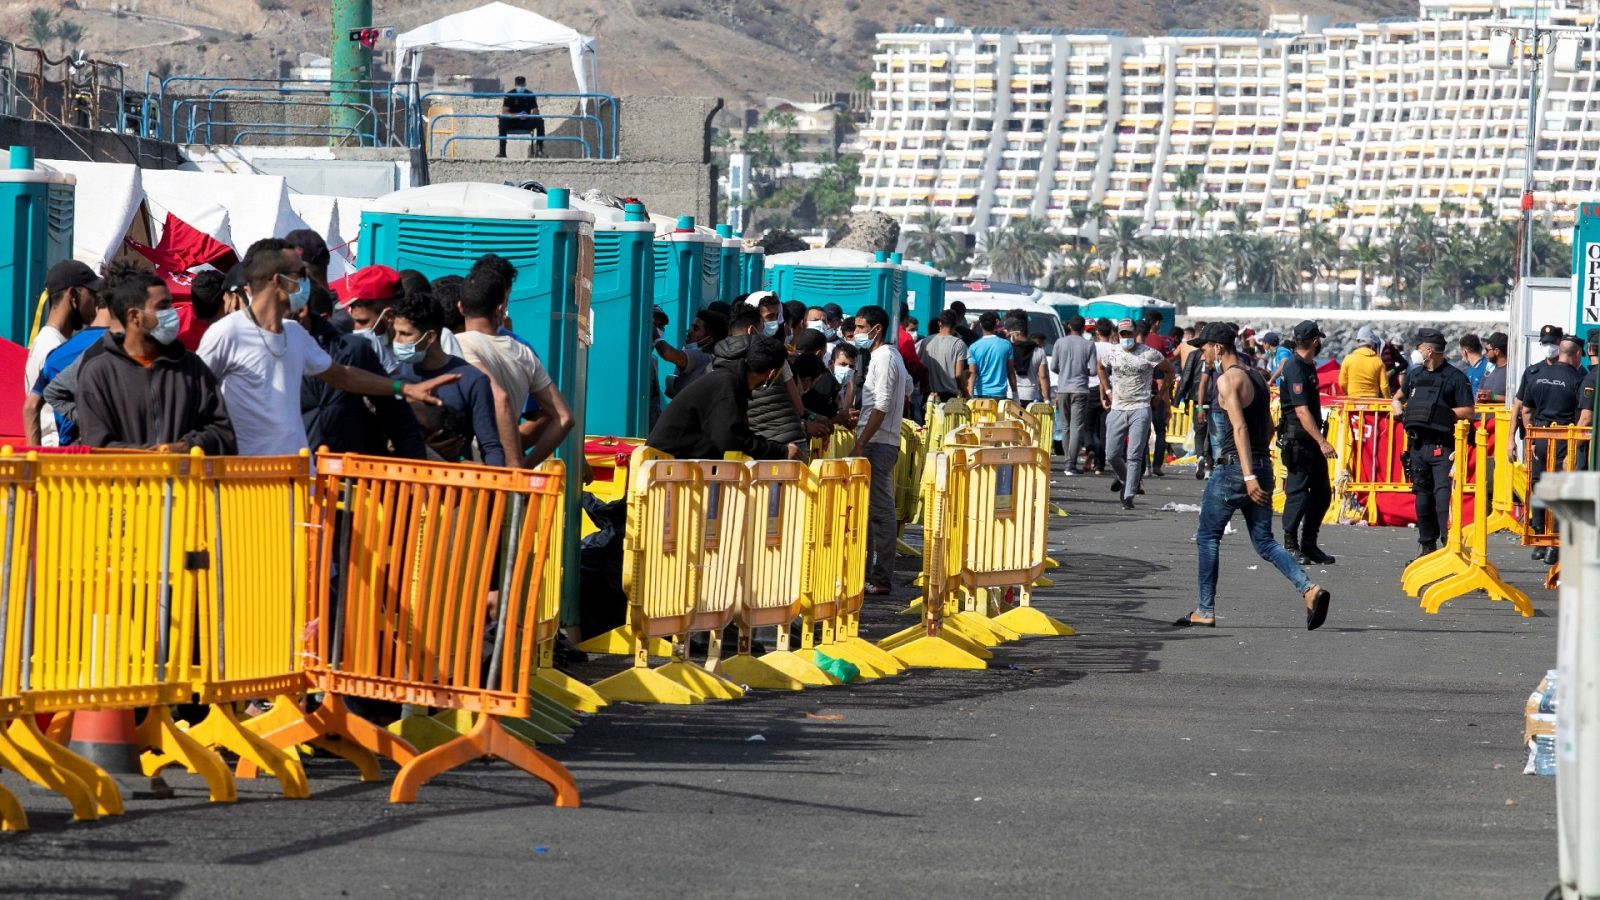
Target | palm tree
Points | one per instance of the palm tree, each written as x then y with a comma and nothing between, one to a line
932,238
69,34
41,26
1019,251
1186,181
1123,244
1236,246
1075,273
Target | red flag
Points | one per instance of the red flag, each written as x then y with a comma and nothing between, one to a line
184,247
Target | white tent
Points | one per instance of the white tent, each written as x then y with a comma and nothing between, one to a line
108,198
500,27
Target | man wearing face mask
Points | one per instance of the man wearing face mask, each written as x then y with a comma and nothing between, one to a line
343,422
144,389
883,403
473,434
1432,398
1307,490
710,418
1127,377
368,296
1549,395
259,355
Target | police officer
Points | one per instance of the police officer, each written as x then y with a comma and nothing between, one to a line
1434,396
1307,490
1549,395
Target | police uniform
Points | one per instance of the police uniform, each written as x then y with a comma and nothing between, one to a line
1550,393
1431,398
1307,490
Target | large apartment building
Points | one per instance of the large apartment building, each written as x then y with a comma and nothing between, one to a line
1351,122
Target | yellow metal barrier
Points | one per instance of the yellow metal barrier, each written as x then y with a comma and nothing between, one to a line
1461,567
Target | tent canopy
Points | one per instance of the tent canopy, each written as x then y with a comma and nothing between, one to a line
498,27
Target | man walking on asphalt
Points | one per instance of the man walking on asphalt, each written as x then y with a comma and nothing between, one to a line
1241,481
1126,389
1074,361
1307,489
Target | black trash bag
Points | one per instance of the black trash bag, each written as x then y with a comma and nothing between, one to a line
602,604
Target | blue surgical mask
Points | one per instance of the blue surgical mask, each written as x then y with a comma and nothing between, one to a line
770,329
166,330
300,297
863,340
1127,343
818,325
408,353
842,374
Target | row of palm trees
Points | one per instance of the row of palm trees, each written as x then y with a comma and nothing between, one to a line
1427,259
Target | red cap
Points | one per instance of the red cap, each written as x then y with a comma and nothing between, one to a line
1248,332
369,283
1125,325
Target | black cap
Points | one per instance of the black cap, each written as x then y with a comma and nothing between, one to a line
1500,341
313,249
1551,334
70,273
1431,336
1216,333
1307,331
234,282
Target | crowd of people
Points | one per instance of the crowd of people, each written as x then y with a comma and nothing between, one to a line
271,358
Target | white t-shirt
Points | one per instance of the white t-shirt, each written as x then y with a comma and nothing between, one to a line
1131,372
885,388
512,366
259,374
48,339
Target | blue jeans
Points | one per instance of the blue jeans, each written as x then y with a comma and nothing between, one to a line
1224,495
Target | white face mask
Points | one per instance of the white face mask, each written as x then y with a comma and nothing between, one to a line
1551,351
166,330
1127,343
1416,357
842,374
770,329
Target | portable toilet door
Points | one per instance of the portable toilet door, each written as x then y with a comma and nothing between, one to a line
679,253
442,229
730,274
753,267
924,292
620,364
35,234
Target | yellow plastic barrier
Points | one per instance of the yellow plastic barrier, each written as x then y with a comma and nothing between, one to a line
17,498
840,505
1180,426
726,514
1502,509
111,623
441,568
907,483
838,445
1006,521
935,643
1461,567
1563,448
942,419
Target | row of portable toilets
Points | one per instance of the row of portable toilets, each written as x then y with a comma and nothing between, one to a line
589,278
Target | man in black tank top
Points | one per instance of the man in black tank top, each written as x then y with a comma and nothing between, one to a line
1242,480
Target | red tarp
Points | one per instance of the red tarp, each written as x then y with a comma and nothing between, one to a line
13,364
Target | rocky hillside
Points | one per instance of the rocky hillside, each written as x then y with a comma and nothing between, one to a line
741,50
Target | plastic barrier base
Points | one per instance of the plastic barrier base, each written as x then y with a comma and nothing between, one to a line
422,731
1484,578
221,728
12,818
798,665
25,750
1435,566
619,641
360,741
567,691
166,745
758,673
642,685
488,738
698,680
935,652
1027,620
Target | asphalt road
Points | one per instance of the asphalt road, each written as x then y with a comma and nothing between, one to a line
1378,757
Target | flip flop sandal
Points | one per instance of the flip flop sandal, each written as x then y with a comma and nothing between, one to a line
1318,613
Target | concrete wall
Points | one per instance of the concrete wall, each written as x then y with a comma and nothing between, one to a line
666,188
50,141
665,158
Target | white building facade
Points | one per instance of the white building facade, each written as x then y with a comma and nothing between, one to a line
1352,123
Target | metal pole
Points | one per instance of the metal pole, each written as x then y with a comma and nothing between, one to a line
352,67
1525,269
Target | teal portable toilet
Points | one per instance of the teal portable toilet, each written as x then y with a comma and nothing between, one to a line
1131,306
1065,305
924,292
37,234
710,267
753,268
620,366
442,229
730,271
679,258
850,278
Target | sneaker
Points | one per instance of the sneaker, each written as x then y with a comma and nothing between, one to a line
1073,473
1127,503
1116,486
1539,554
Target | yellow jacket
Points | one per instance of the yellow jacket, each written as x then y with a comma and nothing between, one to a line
1362,374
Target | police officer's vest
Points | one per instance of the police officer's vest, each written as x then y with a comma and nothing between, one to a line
1426,410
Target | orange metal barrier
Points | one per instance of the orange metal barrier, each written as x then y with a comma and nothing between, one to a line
440,568
1552,448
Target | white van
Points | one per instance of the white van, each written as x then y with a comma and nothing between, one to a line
1001,298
